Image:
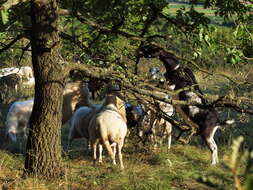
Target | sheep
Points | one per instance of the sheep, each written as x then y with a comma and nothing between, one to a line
159,126
204,116
17,118
26,72
109,125
134,116
13,76
8,70
79,126
75,94
146,122
80,122
152,124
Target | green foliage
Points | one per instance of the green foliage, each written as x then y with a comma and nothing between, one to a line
103,48
243,32
192,19
4,16
227,8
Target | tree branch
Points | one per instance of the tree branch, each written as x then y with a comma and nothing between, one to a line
7,46
10,3
137,85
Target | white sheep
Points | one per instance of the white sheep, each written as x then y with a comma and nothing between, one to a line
79,126
109,125
80,122
17,118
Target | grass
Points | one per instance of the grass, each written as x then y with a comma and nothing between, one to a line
209,12
184,167
173,7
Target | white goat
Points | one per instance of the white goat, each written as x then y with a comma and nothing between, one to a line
109,125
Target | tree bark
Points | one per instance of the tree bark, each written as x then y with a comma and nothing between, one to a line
43,152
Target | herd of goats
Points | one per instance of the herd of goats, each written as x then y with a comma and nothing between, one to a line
108,123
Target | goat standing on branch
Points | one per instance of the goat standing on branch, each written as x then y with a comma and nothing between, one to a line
204,117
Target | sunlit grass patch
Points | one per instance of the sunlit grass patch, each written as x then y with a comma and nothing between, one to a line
11,161
182,167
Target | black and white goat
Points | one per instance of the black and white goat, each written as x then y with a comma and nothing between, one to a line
205,116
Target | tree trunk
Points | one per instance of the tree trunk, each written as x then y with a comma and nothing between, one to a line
43,153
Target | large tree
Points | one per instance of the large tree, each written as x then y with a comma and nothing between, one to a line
43,154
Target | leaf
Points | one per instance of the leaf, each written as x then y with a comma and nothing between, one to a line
4,16
207,39
201,34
